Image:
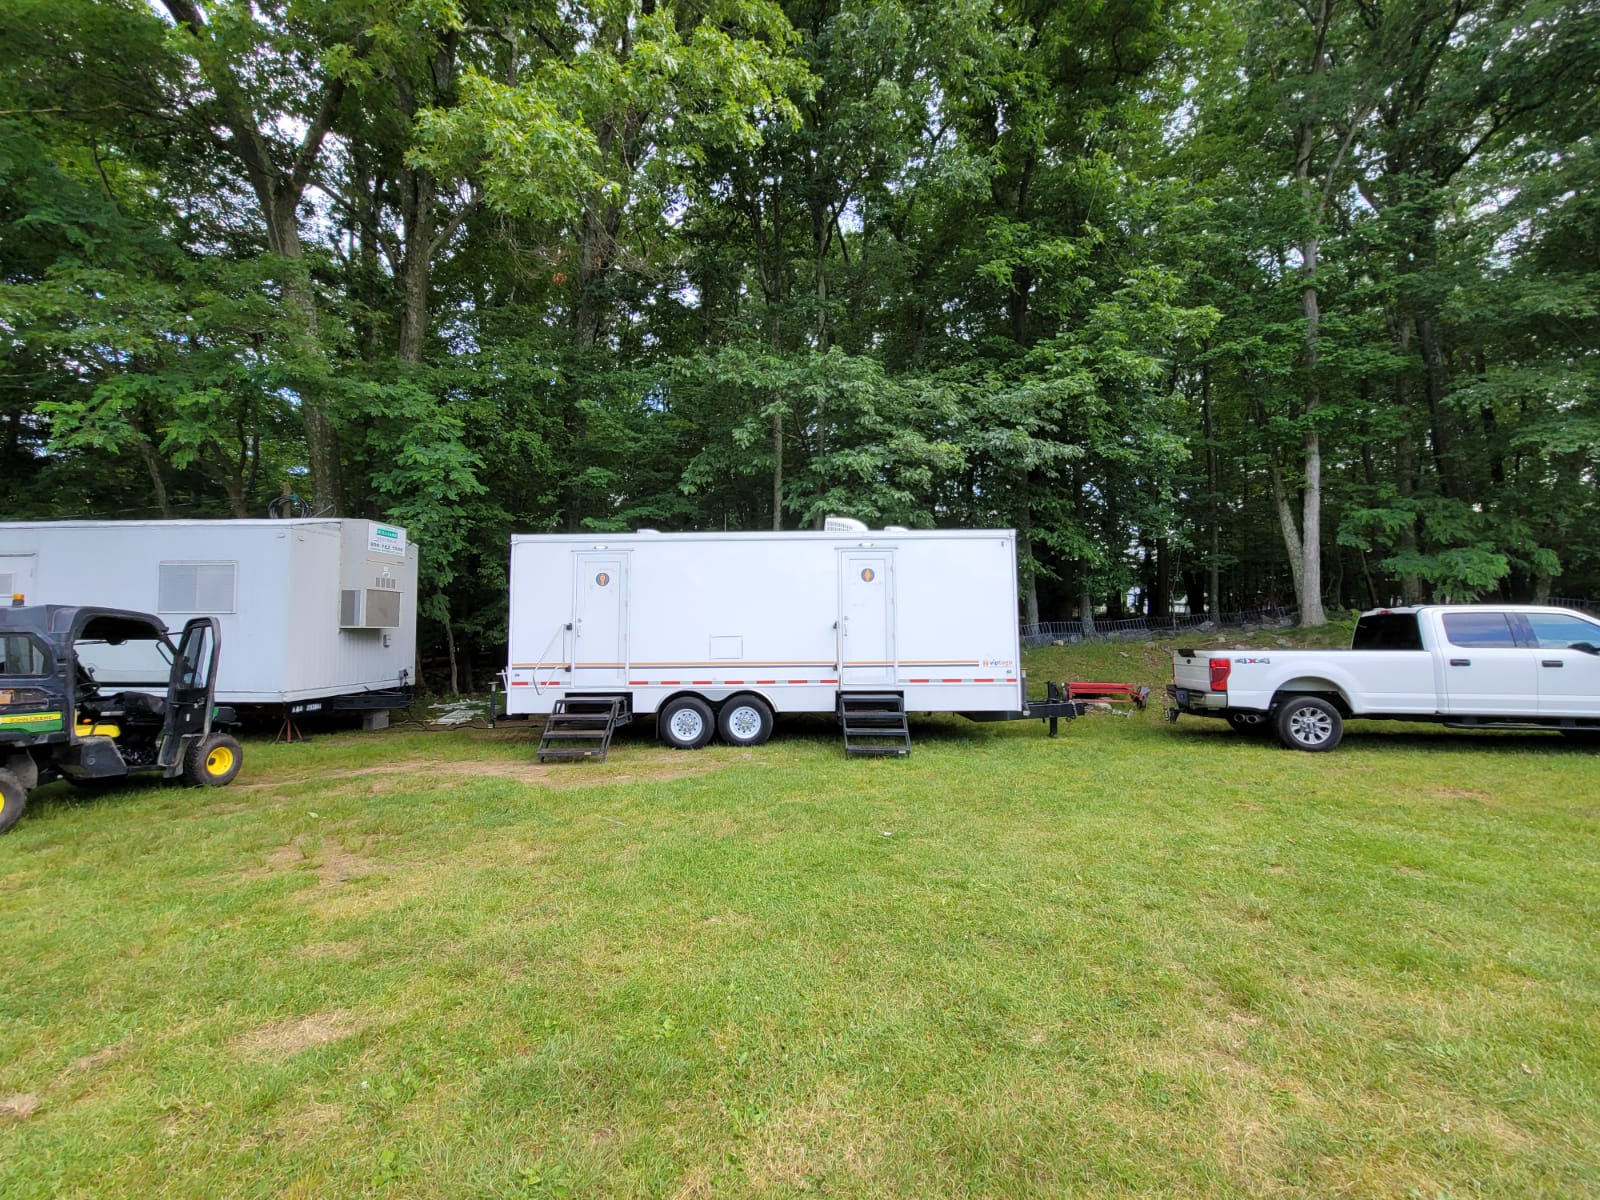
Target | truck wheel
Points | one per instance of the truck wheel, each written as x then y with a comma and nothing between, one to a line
686,723
213,762
745,721
13,800
1248,722
1309,723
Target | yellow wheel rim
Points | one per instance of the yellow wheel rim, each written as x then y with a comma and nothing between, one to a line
219,761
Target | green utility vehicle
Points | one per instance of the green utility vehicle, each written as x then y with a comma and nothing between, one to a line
94,695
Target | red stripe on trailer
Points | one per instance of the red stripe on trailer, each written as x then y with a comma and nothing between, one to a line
919,681
949,681
671,682
519,683
701,682
827,681
759,682
638,683
798,681
983,681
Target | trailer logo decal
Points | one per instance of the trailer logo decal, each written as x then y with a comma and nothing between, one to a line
602,579
867,575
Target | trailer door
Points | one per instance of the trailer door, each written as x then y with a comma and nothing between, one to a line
866,618
600,621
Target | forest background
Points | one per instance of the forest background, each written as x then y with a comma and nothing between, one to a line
1232,303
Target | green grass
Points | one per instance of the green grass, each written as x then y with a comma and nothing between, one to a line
1135,960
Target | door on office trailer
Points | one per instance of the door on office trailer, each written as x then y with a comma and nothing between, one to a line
599,620
866,618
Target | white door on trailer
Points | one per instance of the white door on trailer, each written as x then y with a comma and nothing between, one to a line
866,618
600,622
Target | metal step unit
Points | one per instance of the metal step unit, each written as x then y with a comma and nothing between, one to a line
874,723
581,727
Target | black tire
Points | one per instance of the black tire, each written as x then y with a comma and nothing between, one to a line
13,800
686,723
745,721
1309,723
213,761
1582,737
1249,722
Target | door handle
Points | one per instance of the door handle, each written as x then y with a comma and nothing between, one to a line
1460,662
1552,662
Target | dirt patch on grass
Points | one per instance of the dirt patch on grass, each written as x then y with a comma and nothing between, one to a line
100,1058
310,1124
648,766
332,865
19,1107
814,1140
281,1039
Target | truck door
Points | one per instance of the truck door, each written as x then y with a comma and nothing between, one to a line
600,621
866,618
1486,672
1569,676
190,688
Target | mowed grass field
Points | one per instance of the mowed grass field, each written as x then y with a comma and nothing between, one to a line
1136,960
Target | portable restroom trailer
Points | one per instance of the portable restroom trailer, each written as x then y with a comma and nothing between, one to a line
730,628
315,613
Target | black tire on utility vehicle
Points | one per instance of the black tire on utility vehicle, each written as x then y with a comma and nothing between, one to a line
1309,723
13,800
214,760
1249,722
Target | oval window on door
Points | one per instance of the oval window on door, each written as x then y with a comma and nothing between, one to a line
868,574
602,579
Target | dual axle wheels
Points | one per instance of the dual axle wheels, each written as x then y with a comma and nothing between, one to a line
687,723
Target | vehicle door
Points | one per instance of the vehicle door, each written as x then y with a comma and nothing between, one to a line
191,688
1486,671
1568,654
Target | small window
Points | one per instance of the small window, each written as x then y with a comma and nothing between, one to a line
21,655
1387,631
1479,630
1557,632
197,587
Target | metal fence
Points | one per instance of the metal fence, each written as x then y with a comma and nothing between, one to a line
1047,632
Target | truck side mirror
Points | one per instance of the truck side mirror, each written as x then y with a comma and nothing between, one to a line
1586,647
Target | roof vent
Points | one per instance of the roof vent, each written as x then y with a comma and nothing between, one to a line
843,525
895,529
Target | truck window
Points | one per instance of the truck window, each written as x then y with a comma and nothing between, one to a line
1482,630
21,655
1387,631
1556,631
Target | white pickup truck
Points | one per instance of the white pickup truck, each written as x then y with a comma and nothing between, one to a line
1469,666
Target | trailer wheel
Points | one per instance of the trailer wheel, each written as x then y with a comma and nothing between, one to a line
686,723
745,721
214,761
13,800
1309,723
1248,722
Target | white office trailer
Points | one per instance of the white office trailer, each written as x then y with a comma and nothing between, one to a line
315,613
719,631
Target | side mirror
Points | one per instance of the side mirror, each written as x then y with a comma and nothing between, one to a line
1586,647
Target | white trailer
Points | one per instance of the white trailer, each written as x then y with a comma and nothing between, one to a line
315,613
719,631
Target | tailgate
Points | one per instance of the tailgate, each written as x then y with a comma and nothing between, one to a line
1193,671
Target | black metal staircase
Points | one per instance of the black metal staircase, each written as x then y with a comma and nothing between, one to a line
874,723
582,727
